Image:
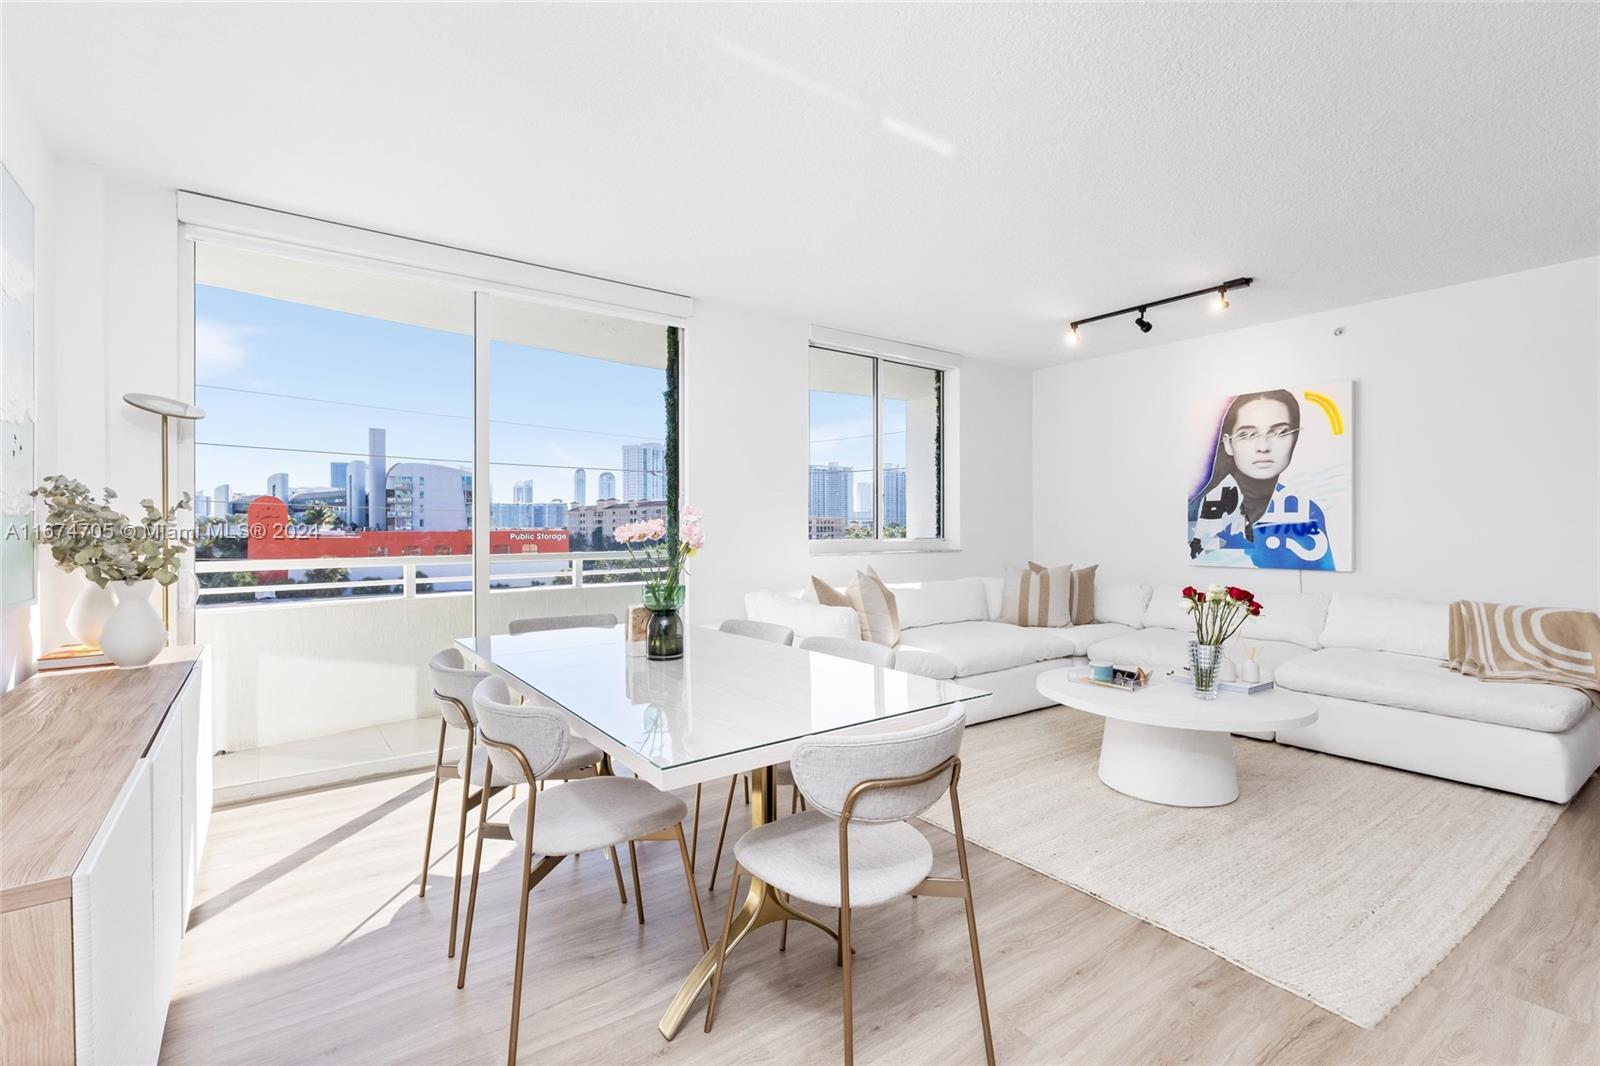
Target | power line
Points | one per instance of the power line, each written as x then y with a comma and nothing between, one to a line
419,411
463,464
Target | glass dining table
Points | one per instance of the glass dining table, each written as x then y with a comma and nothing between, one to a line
731,705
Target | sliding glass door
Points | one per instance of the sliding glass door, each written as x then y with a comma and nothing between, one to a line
389,463
576,445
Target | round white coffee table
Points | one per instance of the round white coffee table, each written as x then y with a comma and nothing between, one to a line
1163,745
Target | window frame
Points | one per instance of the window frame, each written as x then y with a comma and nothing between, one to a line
946,493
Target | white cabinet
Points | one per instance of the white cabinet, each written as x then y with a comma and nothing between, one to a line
133,888
195,704
113,939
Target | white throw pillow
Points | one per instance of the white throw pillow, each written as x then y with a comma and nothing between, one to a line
1169,610
932,603
993,594
806,619
1409,627
876,608
1122,602
1297,617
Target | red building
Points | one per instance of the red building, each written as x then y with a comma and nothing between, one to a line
273,536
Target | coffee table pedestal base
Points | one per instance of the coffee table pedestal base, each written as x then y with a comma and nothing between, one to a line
1177,767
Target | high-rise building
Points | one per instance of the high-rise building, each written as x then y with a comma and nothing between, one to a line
608,486
644,472
429,496
377,479
830,491
522,492
579,487
355,494
551,515
337,472
278,485
862,512
222,500
894,495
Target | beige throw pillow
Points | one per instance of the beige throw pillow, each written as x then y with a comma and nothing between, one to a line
874,603
827,595
1082,595
1036,595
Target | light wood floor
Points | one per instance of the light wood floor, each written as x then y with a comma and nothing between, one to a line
309,944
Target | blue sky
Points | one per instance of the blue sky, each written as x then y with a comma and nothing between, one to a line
257,360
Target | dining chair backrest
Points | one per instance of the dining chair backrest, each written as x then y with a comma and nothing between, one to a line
453,682
770,631
827,768
540,733
862,651
561,621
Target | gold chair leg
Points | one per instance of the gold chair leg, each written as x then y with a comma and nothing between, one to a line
522,936
694,891
972,921
461,838
727,809
433,809
472,894
849,990
722,944
694,829
616,868
638,896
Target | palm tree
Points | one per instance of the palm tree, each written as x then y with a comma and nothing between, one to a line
318,516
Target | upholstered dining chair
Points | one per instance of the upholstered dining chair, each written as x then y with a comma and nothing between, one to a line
862,651
526,742
561,621
453,682
855,846
845,648
774,634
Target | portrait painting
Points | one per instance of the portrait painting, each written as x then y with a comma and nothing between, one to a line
1274,484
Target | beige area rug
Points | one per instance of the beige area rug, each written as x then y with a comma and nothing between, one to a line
1342,882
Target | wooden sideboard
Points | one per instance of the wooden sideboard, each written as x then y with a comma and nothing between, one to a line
105,795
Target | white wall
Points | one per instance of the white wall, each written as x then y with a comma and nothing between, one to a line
745,445
116,320
1477,461
28,158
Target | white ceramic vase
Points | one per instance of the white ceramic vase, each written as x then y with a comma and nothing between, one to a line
90,613
134,634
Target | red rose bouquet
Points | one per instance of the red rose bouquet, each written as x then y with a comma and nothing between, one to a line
1219,611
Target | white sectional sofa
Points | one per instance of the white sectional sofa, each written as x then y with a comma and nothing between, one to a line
1373,667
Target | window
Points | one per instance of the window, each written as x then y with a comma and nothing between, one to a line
329,393
877,449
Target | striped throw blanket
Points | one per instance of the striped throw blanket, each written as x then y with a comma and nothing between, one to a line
1493,642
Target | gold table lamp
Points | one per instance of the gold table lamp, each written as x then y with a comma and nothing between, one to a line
168,409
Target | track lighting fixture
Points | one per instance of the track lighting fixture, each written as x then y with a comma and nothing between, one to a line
1144,324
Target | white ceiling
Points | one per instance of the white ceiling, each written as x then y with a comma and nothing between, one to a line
966,177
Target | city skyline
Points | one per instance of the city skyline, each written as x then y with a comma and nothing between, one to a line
292,389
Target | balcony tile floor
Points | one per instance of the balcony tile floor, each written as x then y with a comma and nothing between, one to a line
254,773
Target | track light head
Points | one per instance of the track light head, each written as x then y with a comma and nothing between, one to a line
1072,335
1220,304
1144,326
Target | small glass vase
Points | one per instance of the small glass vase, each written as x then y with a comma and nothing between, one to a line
664,635
1203,662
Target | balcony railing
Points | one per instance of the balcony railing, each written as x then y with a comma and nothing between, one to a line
296,660
407,576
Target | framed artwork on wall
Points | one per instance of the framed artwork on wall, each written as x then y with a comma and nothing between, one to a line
18,580
1274,486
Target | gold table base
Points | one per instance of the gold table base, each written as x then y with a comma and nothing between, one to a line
762,906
